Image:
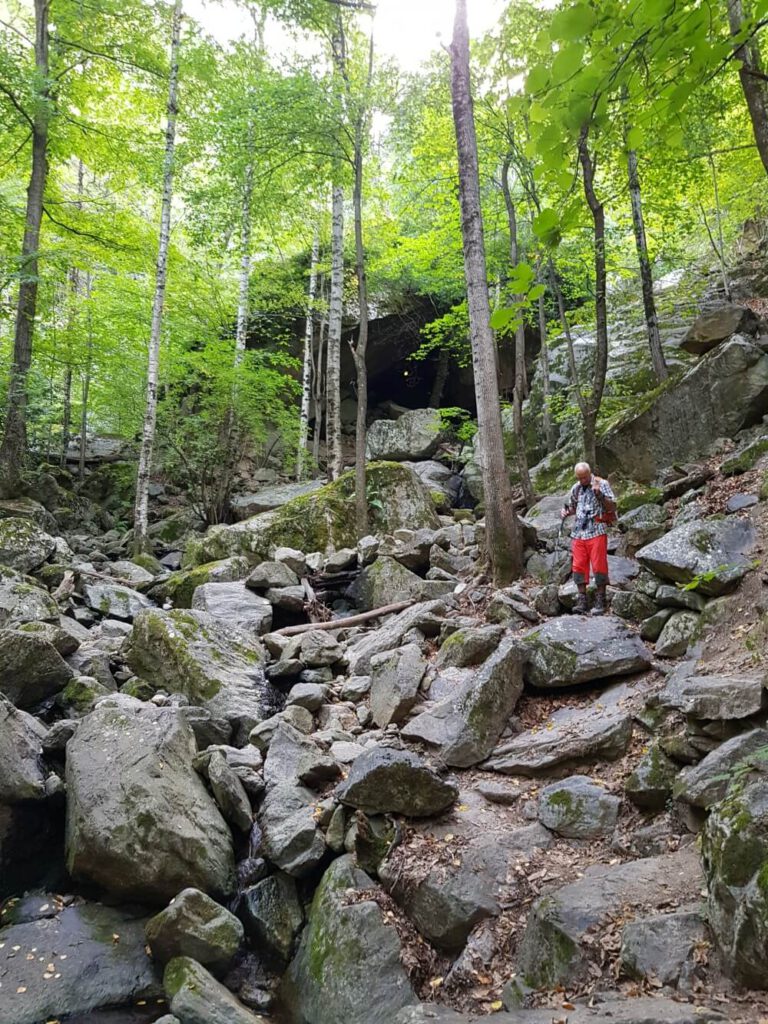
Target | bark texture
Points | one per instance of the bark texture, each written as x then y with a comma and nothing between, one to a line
333,354
306,379
753,80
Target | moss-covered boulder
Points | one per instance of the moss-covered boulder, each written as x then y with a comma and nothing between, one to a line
27,508
735,854
179,587
323,520
140,822
79,696
745,459
22,602
348,966
650,784
214,665
113,601
31,668
578,808
387,781
713,553
417,434
570,650
22,775
194,925
24,546
197,998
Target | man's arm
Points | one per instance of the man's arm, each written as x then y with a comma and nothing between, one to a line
605,494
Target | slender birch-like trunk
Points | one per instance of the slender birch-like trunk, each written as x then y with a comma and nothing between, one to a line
519,391
140,540
86,384
503,531
241,330
753,80
13,450
333,355
306,383
546,415
319,389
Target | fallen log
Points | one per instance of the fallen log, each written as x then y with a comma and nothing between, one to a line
351,620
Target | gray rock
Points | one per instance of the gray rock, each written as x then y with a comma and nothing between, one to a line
229,793
21,603
572,650
268,498
650,784
212,664
643,1010
719,697
319,648
676,635
356,688
571,737
467,725
311,696
385,582
31,668
115,602
447,902
295,560
387,781
22,774
340,560
715,547
130,573
346,752
499,793
642,525
291,839
740,502
395,680
632,605
90,970
553,950
273,915
417,434
131,762
290,599
426,617
271,574
293,757
24,546
715,326
735,855
438,478
660,947
543,519
194,925
578,808
652,626
235,604
367,549
197,998
707,782
348,948
673,597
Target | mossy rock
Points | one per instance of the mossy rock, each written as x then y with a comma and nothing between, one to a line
631,499
148,562
80,695
180,586
650,784
743,461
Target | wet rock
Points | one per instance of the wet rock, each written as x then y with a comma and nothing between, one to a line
22,773
21,603
395,680
234,604
272,914
347,948
735,855
716,551
570,650
707,782
229,793
24,546
650,784
659,947
415,435
90,970
115,602
578,808
643,1010
197,998
466,725
196,926
677,634
388,781
291,839
31,668
712,697
293,757
553,950
131,763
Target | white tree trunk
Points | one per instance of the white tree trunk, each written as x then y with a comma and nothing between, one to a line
150,414
86,383
241,332
503,532
333,359
319,389
306,382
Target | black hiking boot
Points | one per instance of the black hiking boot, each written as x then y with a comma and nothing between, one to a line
600,606
581,607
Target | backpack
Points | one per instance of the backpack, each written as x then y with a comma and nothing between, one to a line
609,516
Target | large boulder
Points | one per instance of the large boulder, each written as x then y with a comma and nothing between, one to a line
197,998
21,602
466,726
717,325
179,588
578,808
385,582
570,650
735,854
714,552
31,668
544,519
395,680
115,602
86,957
324,520
140,822
195,925
426,617
348,966
273,915
211,663
724,698
235,604
417,434
388,781
707,782
438,479
642,1010
291,839
724,392
22,775
23,545
275,496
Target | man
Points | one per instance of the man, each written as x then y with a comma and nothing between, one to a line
594,505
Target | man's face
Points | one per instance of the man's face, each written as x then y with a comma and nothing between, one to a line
584,477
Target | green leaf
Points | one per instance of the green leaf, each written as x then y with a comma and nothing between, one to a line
538,79
536,292
635,138
567,62
501,317
545,223
574,22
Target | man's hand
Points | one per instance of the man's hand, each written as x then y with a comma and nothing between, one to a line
564,512
596,484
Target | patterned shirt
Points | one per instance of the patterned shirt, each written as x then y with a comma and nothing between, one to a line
584,504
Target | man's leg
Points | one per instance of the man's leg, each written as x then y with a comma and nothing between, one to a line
581,574
599,560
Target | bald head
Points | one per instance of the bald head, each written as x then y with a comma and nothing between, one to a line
583,472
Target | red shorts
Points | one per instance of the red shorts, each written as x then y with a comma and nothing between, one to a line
592,552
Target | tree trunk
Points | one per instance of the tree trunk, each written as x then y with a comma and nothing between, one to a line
319,389
140,540
86,381
306,384
13,450
74,285
601,301
519,391
241,332
720,247
441,378
646,276
333,356
66,419
546,415
503,532
753,81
